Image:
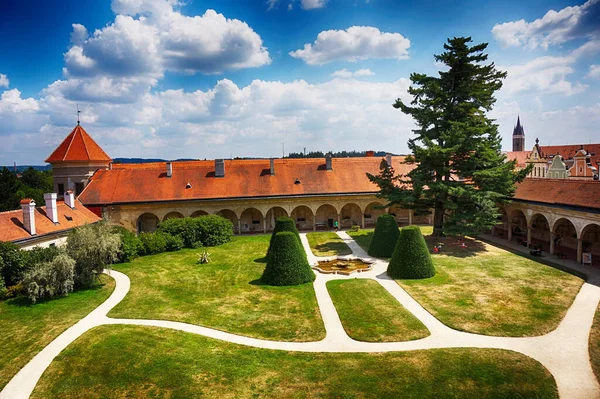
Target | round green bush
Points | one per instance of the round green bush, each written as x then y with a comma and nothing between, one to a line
283,224
411,258
385,237
287,263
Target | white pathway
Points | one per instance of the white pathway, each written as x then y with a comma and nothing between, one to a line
564,351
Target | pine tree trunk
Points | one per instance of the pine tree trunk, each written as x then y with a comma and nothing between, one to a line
438,219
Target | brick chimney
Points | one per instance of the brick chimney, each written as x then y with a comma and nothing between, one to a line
328,164
219,168
169,169
70,199
51,210
28,206
272,163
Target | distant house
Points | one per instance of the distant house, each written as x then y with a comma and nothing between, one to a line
47,225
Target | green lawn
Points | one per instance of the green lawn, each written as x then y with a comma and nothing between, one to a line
26,329
363,237
487,290
594,344
225,294
135,362
369,313
327,244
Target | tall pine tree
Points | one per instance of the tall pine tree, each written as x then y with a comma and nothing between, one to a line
459,171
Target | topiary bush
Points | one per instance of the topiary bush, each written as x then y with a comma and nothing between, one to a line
411,258
283,224
385,237
154,243
287,263
208,230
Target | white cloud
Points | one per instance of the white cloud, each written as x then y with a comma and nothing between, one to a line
121,61
353,44
553,28
346,74
594,72
4,82
11,102
312,4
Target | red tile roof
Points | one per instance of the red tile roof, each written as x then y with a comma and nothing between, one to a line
520,156
131,183
11,222
570,192
568,151
78,146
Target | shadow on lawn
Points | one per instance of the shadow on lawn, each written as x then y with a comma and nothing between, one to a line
452,246
23,301
339,247
261,260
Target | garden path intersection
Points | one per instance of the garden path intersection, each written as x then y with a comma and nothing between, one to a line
564,351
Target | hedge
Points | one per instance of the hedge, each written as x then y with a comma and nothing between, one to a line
131,245
283,224
153,243
287,263
411,258
385,237
208,230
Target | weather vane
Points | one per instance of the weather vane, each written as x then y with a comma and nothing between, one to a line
78,112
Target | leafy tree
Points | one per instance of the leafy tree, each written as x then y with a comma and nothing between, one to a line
94,247
459,170
50,279
32,184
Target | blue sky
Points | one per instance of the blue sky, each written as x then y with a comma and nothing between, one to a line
209,79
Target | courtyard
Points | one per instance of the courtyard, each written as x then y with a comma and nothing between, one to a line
491,323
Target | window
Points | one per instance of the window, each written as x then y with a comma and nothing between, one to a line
78,188
61,189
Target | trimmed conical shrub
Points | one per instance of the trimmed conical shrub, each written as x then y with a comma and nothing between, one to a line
411,258
287,263
385,237
283,224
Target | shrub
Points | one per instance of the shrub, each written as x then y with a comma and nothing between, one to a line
173,243
39,255
2,286
208,230
14,263
287,263
50,279
385,237
283,224
411,258
131,245
355,228
94,247
154,243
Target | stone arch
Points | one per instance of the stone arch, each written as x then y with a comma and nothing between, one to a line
350,215
372,212
251,221
518,226
272,215
590,242
540,231
231,215
565,238
325,216
198,213
173,215
303,216
147,223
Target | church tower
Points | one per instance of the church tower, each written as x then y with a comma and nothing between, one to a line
518,137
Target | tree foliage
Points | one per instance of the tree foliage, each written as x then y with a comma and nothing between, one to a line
31,184
459,170
50,279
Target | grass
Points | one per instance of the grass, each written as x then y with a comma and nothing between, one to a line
363,237
327,244
134,362
487,290
594,344
225,294
26,329
369,313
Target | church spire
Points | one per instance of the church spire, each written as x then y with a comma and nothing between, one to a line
518,136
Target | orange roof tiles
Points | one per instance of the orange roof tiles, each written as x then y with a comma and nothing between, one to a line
11,222
78,146
134,183
569,151
520,156
568,192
